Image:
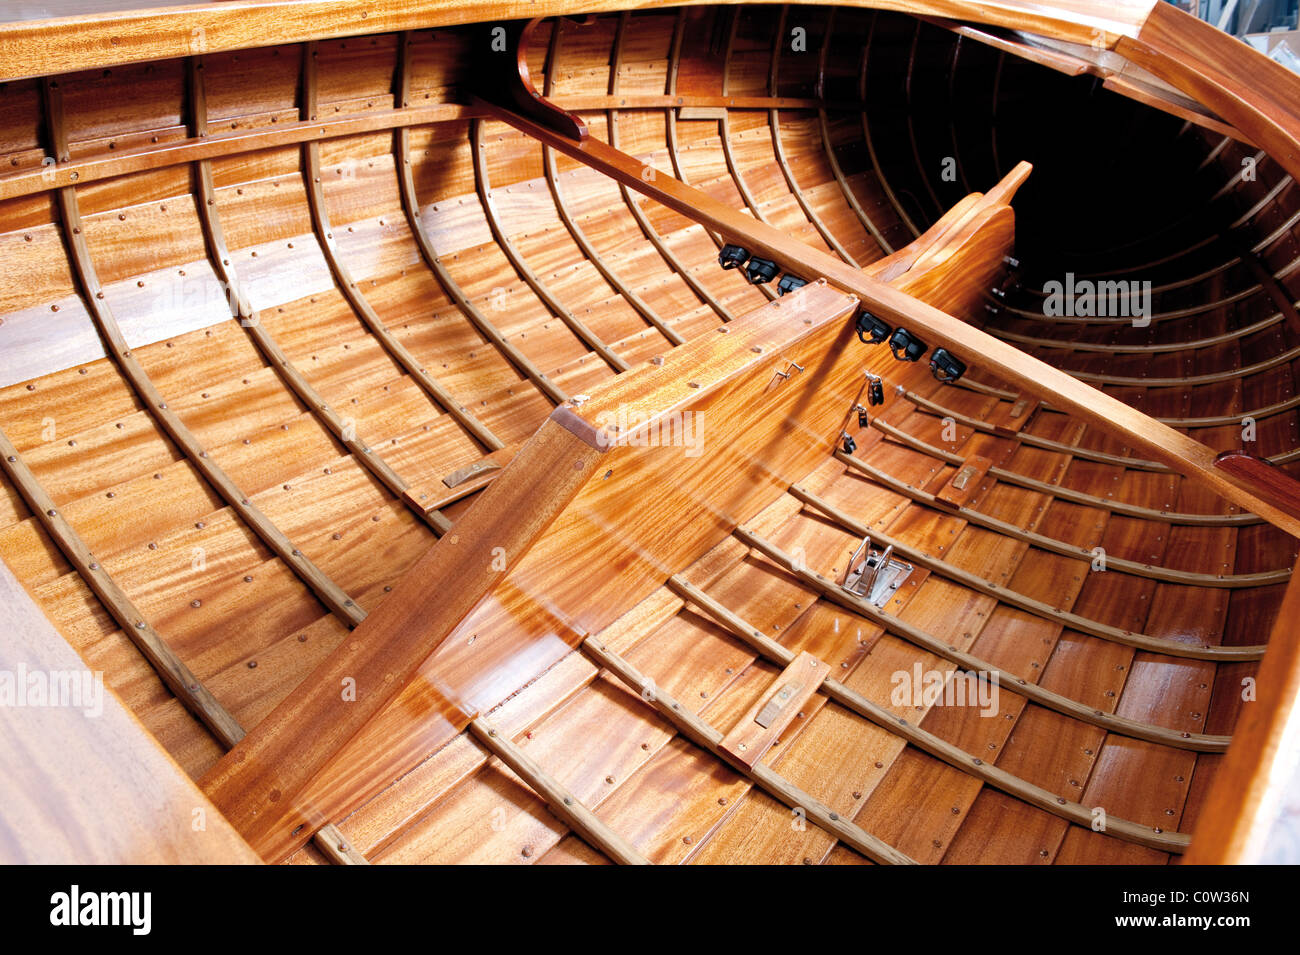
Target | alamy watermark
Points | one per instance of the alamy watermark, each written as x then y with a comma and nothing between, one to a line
75,689
625,427
925,688
1089,299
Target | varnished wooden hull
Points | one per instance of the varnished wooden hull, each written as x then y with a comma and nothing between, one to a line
284,326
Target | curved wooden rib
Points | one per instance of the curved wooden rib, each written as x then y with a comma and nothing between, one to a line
184,685
558,799
557,308
175,675
871,143
670,119
575,230
1032,439
1197,742
911,120
1153,349
924,740
647,228
411,205
347,285
1206,421
827,145
1067,494
706,737
1045,611
778,148
1035,539
248,318
170,422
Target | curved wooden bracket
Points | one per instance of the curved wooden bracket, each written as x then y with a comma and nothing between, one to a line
508,83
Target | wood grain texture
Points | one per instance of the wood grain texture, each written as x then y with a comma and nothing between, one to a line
1175,450
87,784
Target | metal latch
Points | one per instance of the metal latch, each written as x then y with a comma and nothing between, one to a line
1019,407
963,477
875,575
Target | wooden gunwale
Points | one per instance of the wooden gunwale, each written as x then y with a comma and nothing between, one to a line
248,318
559,800
1068,494
168,421
1240,820
924,740
320,218
705,736
647,228
575,230
1135,729
31,48
1045,611
483,186
829,149
778,148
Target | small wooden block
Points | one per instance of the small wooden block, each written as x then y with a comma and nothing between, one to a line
962,486
460,483
702,112
1009,418
763,725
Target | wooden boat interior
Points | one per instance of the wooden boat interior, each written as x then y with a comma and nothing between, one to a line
377,417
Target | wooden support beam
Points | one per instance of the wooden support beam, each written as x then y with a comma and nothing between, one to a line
924,740
559,800
707,738
1197,742
258,783
1176,451
1268,480
583,491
